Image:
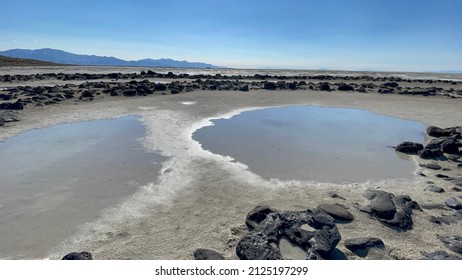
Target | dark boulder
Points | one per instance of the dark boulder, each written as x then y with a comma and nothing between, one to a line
382,205
393,211
337,211
129,92
18,105
391,84
87,94
78,256
269,86
325,241
361,243
207,254
324,87
257,215
345,87
160,87
292,86
244,88
453,203
435,131
430,153
410,148
450,147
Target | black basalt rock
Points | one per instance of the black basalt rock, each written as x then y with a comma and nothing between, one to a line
78,256
410,148
207,254
337,211
361,243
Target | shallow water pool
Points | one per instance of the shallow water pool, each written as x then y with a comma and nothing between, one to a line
314,143
55,179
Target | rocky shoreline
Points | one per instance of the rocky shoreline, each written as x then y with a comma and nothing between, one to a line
92,87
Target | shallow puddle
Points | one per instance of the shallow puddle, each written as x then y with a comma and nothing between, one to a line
55,179
314,143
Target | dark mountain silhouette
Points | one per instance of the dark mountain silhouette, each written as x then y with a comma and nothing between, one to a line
62,57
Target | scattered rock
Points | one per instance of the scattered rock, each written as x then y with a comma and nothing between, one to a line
270,86
410,148
453,203
360,243
324,87
12,106
431,206
393,211
382,205
78,256
129,92
430,153
244,88
435,131
335,195
450,147
337,211
325,241
435,189
439,255
391,84
432,166
453,243
345,87
207,254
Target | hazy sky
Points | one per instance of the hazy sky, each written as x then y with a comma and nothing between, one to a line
421,35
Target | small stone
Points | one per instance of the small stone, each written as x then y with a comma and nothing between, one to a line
435,189
435,131
207,254
335,195
78,256
337,211
359,243
410,148
453,203
432,166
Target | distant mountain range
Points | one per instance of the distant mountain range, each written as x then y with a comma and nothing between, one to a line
14,61
62,57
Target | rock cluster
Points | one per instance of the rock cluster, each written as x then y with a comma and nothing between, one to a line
390,210
443,144
268,226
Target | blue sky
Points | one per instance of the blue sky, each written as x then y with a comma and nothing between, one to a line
388,35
